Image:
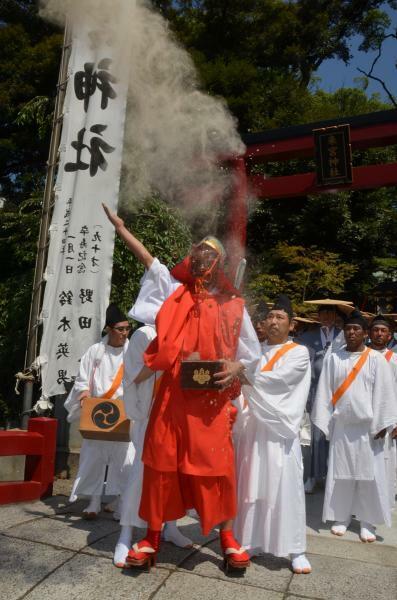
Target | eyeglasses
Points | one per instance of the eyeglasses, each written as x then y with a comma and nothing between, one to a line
121,329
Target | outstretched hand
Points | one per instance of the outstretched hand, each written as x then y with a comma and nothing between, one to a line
231,370
112,216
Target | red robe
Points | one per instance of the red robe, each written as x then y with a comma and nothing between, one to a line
189,431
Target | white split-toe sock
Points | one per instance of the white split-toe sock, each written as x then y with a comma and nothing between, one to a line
300,564
367,532
172,534
122,547
340,527
94,507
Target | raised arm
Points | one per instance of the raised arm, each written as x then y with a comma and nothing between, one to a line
136,247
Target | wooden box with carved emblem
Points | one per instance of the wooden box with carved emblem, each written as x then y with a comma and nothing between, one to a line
103,419
199,374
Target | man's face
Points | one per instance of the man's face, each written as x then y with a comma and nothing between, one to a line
201,260
327,318
261,329
118,333
380,335
278,326
355,336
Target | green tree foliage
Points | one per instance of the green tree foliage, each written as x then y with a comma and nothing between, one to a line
302,273
29,64
261,55
19,229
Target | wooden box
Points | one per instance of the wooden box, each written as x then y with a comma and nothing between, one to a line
103,419
199,374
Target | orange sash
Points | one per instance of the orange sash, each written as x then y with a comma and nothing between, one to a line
388,355
116,383
286,348
351,376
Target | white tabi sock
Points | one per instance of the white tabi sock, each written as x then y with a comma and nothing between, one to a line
340,527
367,532
300,564
172,534
94,505
122,547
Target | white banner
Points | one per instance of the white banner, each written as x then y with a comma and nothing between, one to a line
79,267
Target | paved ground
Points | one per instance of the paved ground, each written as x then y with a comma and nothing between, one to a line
48,551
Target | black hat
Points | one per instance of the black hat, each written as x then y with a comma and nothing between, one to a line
114,315
283,303
356,318
381,320
326,308
261,311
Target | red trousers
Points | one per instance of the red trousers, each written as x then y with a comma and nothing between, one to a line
167,495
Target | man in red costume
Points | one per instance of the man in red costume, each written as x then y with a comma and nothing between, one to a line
188,452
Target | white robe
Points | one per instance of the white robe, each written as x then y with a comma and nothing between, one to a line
137,401
98,368
157,284
356,481
271,500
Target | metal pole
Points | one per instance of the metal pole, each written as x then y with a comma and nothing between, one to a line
42,247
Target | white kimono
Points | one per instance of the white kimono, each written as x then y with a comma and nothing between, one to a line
157,284
98,368
271,499
356,480
137,401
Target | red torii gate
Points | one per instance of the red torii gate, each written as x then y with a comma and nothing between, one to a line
373,130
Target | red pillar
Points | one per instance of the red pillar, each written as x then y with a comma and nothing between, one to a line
237,216
42,467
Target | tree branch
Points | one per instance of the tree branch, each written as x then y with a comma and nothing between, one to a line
370,75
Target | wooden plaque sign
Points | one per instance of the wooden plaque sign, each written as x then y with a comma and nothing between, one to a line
333,155
199,374
103,419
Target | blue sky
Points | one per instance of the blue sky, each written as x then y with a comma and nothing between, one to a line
335,74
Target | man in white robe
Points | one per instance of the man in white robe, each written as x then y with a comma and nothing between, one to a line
138,400
354,408
380,334
271,500
98,369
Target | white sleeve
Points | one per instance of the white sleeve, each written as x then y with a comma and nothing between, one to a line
157,284
323,409
278,397
137,398
248,348
384,400
81,384
133,358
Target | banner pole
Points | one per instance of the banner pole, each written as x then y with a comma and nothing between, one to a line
43,241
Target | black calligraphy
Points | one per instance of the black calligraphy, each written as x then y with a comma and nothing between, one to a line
97,146
65,297
85,322
62,350
88,81
86,295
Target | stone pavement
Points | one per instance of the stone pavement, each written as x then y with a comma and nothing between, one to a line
48,551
